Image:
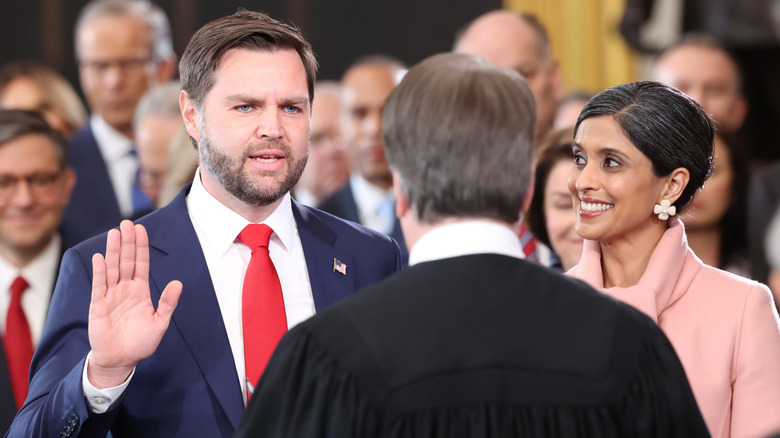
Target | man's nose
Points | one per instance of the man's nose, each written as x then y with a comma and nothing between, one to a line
22,195
268,125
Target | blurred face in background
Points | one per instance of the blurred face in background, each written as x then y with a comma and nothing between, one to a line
24,94
559,215
709,77
567,113
505,39
711,203
116,67
153,139
34,190
365,89
328,167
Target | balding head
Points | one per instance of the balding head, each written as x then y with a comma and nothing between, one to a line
707,73
519,42
328,167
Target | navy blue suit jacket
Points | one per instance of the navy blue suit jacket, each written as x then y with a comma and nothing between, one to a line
342,204
7,402
189,386
93,207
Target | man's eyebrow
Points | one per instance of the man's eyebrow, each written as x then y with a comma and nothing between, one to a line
295,100
242,98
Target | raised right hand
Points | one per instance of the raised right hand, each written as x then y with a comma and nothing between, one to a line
124,327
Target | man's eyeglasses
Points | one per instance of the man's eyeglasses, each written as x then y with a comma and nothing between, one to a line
125,65
41,184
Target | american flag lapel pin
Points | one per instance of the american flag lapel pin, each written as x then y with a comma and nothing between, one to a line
339,267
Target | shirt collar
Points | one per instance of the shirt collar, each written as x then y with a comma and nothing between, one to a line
39,273
466,238
221,225
367,196
112,144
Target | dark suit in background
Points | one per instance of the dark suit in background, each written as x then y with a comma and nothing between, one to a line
93,208
763,199
189,386
342,204
7,405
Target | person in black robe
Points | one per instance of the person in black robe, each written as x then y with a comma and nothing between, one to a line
471,340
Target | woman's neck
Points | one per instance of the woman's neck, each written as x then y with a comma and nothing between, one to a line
705,243
625,260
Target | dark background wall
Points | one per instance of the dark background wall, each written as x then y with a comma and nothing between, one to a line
339,30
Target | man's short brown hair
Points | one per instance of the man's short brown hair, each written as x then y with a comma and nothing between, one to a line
245,30
18,123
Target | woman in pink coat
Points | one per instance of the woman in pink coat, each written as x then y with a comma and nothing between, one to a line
641,151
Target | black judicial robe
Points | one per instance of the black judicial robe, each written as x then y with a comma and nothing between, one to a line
475,346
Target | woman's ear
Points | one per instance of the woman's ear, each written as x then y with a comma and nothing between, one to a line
676,183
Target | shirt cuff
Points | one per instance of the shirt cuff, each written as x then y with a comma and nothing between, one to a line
102,400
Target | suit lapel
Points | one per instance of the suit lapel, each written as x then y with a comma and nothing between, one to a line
328,286
93,207
7,403
350,206
97,183
197,317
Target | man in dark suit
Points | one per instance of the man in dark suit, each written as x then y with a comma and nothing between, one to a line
35,184
123,48
367,197
470,340
763,201
109,361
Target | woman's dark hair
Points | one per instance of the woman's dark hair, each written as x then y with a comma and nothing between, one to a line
667,126
555,147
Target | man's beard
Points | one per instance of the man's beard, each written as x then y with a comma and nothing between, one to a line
232,176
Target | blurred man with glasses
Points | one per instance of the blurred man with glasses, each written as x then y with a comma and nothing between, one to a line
35,186
123,48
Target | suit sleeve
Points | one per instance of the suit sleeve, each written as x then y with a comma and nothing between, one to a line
55,404
756,388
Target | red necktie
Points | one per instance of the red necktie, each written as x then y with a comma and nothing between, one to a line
262,304
17,342
528,242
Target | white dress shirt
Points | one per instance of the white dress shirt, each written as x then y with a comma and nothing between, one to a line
121,164
305,197
217,228
466,238
370,201
40,273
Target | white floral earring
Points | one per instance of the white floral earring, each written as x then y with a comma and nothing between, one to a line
665,209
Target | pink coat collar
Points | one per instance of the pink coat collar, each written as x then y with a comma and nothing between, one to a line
669,273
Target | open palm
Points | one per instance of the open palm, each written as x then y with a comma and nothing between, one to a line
124,327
